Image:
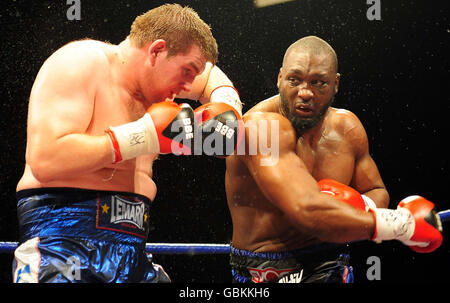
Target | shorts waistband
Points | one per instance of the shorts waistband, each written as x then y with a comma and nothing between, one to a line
248,266
83,213
77,194
302,252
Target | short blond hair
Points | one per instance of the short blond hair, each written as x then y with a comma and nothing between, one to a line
180,27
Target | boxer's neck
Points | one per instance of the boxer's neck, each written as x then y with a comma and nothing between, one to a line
128,65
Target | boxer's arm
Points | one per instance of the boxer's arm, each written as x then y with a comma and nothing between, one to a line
205,83
369,183
60,112
366,176
289,186
406,223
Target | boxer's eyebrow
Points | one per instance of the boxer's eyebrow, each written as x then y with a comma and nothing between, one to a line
300,72
195,67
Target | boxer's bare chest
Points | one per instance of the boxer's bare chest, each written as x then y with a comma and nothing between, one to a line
327,154
113,103
113,106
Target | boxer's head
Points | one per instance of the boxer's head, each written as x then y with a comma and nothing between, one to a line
307,82
180,27
176,44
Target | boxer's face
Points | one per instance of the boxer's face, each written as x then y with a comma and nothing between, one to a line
307,84
170,75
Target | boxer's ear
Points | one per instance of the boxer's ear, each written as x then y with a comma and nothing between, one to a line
155,49
336,83
280,75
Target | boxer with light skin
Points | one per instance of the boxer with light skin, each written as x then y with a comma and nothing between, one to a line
98,117
285,223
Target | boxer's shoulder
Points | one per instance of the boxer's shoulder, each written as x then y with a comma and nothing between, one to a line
269,126
268,105
87,47
268,110
343,120
347,125
80,63
86,56
268,119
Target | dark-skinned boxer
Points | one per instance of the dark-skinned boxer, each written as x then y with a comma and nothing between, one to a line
287,227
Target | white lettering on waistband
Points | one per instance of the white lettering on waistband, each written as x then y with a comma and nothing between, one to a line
123,211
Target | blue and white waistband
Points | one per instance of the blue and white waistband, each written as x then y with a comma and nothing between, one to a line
71,212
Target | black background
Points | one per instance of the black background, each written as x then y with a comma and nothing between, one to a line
394,78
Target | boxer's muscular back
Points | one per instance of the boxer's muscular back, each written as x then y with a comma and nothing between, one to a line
258,224
84,66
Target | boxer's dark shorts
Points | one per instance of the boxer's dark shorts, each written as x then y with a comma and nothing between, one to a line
310,265
78,235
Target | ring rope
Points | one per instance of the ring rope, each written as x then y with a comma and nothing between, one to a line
186,248
444,215
157,248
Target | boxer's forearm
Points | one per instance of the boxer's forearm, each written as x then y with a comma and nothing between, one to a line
334,221
216,78
203,85
69,156
380,196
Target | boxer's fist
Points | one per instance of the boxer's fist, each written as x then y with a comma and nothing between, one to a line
220,129
428,227
166,128
414,222
174,125
342,192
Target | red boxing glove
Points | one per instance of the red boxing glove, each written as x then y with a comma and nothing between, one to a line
428,224
220,129
166,128
414,222
342,192
174,126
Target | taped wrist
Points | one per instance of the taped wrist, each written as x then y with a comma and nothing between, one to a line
133,139
227,94
369,203
393,224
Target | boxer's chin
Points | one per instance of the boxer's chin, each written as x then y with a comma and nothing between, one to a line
302,121
303,124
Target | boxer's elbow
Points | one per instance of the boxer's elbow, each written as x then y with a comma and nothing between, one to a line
42,167
384,199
